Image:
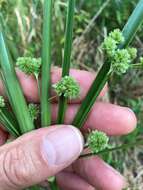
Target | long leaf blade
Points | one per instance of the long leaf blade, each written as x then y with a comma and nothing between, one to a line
13,89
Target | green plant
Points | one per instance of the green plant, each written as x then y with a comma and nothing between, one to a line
67,57
97,141
118,59
46,64
128,33
67,87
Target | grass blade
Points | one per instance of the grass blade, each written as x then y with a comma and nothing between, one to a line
129,31
46,64
8,121
67,57
134,22
13,89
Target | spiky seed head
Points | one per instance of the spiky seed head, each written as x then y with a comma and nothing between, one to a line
67,87
29,65
2,102
109,46
97,141
121,61
117,36
33,111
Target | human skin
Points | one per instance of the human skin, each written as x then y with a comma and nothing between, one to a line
35,156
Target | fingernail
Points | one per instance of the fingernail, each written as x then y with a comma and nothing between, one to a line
62,145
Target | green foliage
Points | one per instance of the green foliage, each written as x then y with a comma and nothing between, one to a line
29,65
68,87
97,141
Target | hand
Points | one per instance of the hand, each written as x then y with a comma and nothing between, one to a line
35,156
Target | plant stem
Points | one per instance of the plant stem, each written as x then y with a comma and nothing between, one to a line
46,64
129,31
136,66
67,57
13,89
124,146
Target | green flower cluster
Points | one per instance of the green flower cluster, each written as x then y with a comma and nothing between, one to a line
120,58
29,65
33,111
2,102
68,87
97,141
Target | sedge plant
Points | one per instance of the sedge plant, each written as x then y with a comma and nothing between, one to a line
118,59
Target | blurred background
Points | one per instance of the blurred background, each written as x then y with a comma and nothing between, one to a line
22,21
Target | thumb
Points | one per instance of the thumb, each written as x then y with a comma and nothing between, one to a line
35,156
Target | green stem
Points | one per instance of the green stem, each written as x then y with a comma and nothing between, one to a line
46,64
53,185
124,146
67,57
136,66
129,31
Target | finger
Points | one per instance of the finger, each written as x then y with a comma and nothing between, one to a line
30,89
44,152
71,181
112,119
99,174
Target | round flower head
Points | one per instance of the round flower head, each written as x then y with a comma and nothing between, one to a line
2,102
132,52
121,61
110,46
117,36
97,141
68,87
29,65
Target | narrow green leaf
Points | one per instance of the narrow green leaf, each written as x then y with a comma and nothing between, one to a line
46,64
92,95
67,56
9,122
129,31
13,89
134,22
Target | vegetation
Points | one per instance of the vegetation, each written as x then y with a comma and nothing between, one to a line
86,29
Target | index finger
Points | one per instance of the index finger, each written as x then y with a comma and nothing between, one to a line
30,88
